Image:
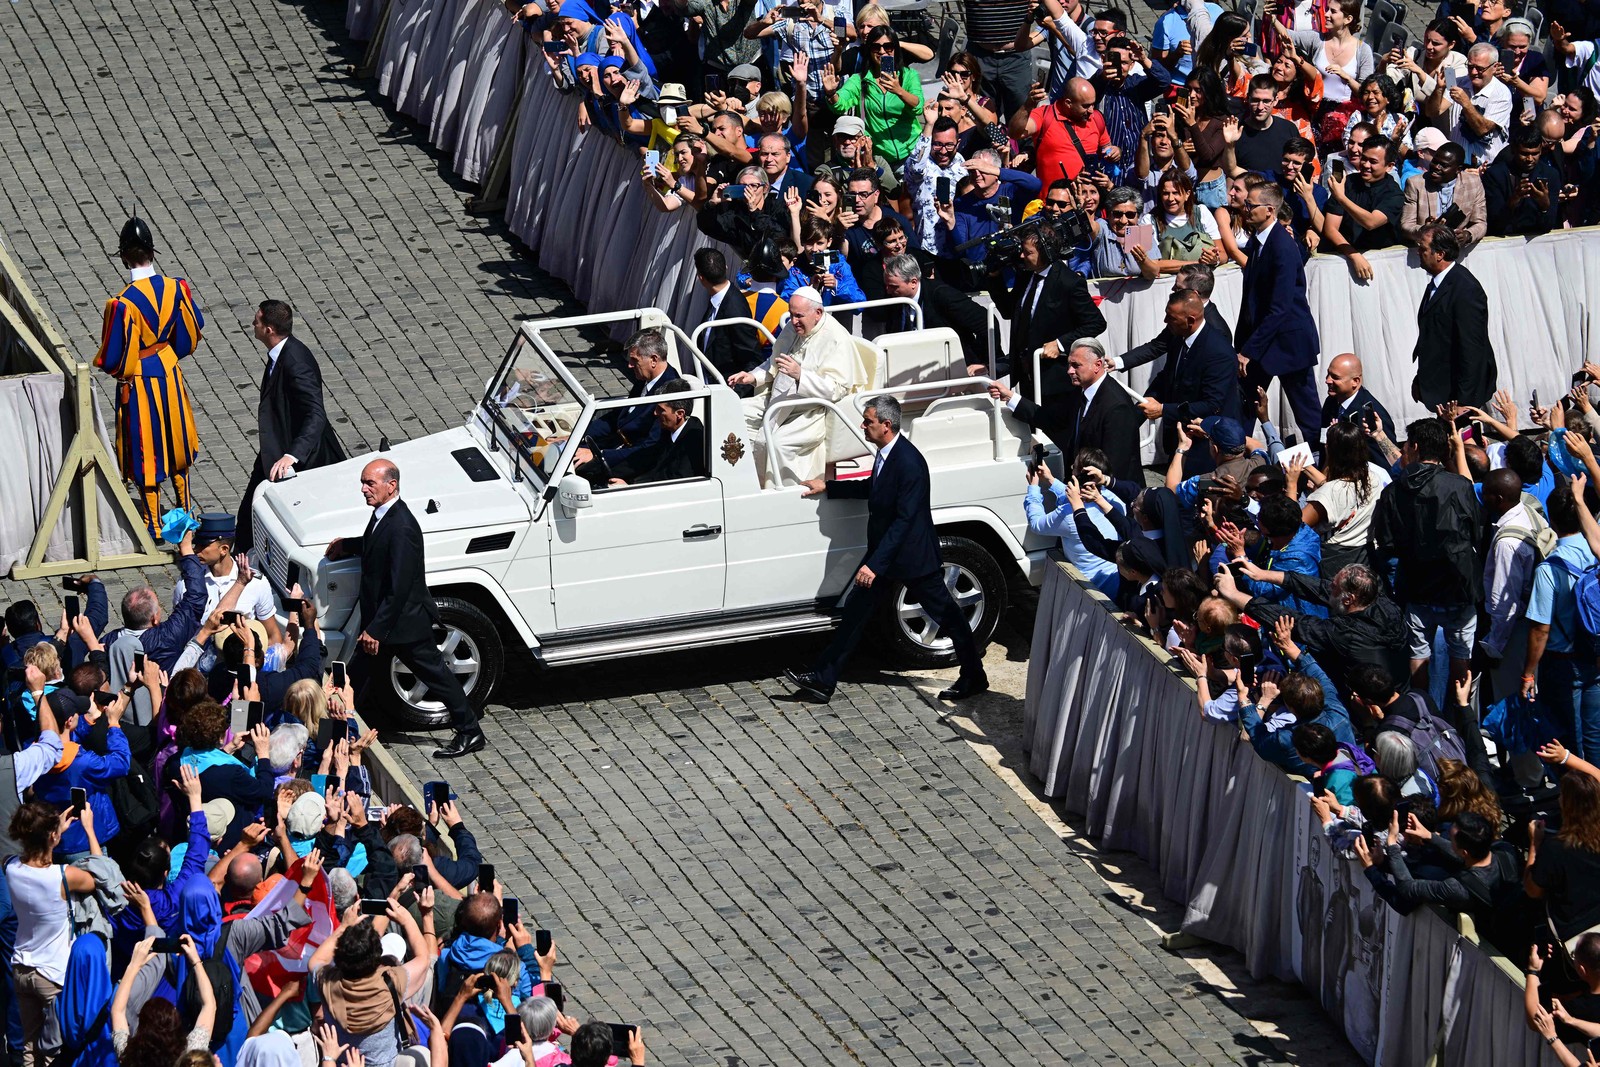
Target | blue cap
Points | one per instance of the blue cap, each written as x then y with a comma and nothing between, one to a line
215,525
1224,432
176,523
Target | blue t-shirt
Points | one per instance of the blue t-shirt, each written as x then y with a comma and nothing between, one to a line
1552,601
1171,31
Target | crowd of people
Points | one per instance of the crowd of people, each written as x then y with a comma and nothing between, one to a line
198,869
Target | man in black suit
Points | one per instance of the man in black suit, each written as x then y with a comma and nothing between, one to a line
730,349
902,546
942,306
614,434
1200,377
397,611
679,451
775,156
1349,399
1049,310
1454,358
1097,414
1276,335
294,431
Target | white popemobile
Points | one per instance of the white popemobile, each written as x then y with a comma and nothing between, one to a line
521,551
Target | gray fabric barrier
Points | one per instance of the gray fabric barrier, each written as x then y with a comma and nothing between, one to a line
33,418
1114,734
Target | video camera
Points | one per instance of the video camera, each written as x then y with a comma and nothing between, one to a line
1058,237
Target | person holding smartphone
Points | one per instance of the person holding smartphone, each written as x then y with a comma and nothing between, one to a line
888,93
92,771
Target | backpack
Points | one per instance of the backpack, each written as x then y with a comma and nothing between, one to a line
222,987
1541,536
134,799
1433,738
1586,591
1358,756
1185,242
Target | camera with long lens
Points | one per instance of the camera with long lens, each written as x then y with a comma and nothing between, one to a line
1058,237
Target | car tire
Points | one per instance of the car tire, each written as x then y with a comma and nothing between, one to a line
975,580
470,642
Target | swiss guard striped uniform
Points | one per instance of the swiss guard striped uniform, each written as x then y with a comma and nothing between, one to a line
770,310
149,327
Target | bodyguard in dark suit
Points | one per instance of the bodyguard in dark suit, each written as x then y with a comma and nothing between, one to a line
1049,309
1098,413
730,349
1200,377
1454,358
679,450
397,612
902,546
943,306
1276,335
614,434
1349,399
293,427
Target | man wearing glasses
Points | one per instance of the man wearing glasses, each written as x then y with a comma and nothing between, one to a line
1480,108
1276,336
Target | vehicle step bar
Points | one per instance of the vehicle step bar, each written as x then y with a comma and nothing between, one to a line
675,640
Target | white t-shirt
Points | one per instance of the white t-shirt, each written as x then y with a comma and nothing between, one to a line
1582,57
1349,517
255,602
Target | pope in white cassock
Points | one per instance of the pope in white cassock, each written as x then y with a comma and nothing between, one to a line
814,357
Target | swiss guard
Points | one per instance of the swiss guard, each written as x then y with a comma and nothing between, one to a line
149,327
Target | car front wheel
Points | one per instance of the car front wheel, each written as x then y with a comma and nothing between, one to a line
472,651
913,637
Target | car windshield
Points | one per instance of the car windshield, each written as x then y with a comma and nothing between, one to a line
533,407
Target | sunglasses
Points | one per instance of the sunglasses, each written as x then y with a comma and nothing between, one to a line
1124,214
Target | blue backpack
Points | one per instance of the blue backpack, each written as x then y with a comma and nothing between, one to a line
1586,591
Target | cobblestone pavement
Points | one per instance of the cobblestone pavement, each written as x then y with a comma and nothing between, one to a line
757,881
764,881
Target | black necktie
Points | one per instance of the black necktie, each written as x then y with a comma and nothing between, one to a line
371,524
1024,318
1081,408
1177,361
266,373
1427,297
1252,246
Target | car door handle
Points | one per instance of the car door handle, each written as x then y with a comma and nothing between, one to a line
701,530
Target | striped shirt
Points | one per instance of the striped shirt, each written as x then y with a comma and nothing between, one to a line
995,24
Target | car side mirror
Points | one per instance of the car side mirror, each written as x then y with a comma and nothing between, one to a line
574,493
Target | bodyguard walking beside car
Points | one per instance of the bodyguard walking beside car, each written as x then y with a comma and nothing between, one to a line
397,612
903,546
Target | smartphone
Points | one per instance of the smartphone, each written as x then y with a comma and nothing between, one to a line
255,714
510,910
75,585
733,191
231,617
485,983
1036,459
247,675
1336,168
513,1028
375,812
542,940
1403,809
1248,665
887,65
104,700
80,800
554,991
941,192
138,663
238,717
436,794
555,48
1536,398
1237,567
374,907
486,878
168,946
839,25
713,83
291,576
334,783
339,679
621,1037
420,877
74,609
652,160
292,603
1205,485
1252,49
1453,217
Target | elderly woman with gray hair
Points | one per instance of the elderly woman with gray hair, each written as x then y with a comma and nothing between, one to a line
1125,246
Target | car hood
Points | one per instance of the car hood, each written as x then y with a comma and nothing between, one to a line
321,504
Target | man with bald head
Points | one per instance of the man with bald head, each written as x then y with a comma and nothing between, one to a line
1068,133
1348,399
397,611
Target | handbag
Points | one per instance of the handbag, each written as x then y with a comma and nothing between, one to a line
1187,242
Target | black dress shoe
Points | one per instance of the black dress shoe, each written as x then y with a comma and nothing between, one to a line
966,687
462,744
810,685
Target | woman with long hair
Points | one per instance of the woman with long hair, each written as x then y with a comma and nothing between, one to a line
1202,108
1299,91
1340,508
1222,52
888,93
1461,790
1186,231
682,185
1564,868
1228,215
